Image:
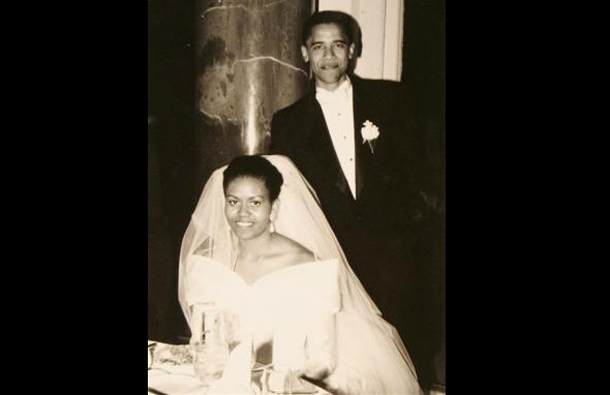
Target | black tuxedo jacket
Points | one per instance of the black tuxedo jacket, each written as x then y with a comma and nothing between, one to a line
386,176
375,229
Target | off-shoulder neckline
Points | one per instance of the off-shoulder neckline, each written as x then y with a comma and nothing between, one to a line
271,274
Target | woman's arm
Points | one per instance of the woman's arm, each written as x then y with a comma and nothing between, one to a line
321,347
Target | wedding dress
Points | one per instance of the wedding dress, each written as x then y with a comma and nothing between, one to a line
330,319
292,309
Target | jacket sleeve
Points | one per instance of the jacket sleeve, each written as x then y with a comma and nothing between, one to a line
280,141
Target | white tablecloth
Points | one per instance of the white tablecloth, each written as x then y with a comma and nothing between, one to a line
174,379
179,379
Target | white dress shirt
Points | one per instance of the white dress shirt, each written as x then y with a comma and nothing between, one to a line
338,110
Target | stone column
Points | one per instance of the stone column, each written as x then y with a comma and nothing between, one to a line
249,65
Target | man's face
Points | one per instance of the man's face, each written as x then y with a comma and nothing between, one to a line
328,52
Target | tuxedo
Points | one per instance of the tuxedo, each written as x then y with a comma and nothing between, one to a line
373,228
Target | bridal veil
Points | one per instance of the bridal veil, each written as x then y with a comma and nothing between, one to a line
371,357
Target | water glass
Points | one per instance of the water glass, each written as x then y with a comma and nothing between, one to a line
209,343
209,359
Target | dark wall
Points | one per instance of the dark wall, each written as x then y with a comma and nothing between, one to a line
424,76
173,190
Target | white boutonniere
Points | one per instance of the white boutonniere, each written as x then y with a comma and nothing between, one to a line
369,132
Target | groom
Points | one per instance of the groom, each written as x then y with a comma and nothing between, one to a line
355,142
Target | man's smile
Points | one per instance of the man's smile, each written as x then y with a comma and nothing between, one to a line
329,66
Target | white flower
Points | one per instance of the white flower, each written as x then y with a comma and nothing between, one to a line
369,133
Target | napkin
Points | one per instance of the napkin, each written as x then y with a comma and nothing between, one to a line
236,377
281,382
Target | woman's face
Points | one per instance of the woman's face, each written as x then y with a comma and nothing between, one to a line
248,208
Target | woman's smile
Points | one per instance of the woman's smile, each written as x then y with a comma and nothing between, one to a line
248,207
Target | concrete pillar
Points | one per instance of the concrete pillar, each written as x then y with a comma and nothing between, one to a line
249,65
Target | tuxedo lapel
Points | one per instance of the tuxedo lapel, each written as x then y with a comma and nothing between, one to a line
363,152
322,145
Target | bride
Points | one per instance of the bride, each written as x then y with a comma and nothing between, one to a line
259,247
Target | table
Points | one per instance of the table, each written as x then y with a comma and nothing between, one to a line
172,373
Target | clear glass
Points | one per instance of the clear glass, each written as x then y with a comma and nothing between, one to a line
209,359
210,347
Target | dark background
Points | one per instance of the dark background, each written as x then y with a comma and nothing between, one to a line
174,185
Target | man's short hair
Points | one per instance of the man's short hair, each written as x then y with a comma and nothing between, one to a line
346,23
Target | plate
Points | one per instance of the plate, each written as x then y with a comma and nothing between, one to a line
174,383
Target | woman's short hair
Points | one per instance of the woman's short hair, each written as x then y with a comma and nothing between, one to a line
257,167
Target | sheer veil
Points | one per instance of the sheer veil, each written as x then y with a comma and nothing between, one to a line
371,356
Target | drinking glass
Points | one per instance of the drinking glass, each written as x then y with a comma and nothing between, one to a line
209,359
209,345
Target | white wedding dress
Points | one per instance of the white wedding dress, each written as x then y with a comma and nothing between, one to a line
292,308
316,313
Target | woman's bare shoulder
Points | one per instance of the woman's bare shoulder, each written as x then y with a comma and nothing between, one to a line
292,252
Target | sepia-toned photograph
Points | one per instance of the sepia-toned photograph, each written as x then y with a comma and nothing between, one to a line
296,197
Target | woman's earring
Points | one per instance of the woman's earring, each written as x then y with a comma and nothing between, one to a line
271,227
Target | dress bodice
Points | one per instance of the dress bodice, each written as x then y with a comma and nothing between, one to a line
308,287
